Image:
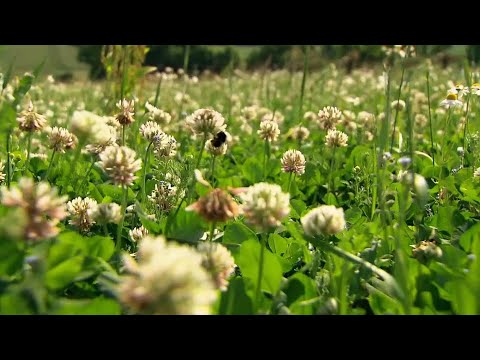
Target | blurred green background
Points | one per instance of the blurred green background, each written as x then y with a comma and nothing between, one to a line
81,61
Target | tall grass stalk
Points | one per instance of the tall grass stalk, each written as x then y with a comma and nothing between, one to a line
118,245
396,110
430,118
8,158
29,148
304,80
145,165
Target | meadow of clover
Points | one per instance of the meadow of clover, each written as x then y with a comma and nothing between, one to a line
268,192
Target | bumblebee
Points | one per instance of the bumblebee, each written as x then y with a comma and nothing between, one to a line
219,139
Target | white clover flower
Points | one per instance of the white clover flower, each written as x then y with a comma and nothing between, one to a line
107,213
168,279
216,150
61,139
218,261
81,211
323,220
137,234
329,117
336,138
269,131
398,105
163,196
31,121
293,161
120,164
270,116
125,117
166,147
158,115
299,133
42,207
265,205
151,131
206,122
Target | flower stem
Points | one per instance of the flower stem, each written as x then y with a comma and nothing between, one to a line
212,230
304,79
50,164
289,181
265,159
85,178
145,162
123,135
157,93
199,159
358,260
212,168
78,150
105,230
260,273
447,123
430,118
465,127
331,180
29,147
397,111
118,245
8,159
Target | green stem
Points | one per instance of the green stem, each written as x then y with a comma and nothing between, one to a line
265,158
118,245
447,123
331,180
145,165
123,135
212,169
188,194
85,178
465,127
397,111
201,151
8,159
186,58
72,171
212,230
304,80
260,274
105,230
29,147
375,189
157,93
401,271
430,118
289,181
124,72
358,260
50,164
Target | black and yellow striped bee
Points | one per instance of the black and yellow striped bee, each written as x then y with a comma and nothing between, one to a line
219,139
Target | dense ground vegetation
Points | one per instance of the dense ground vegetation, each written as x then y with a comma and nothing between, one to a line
268,192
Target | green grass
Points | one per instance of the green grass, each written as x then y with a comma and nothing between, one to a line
60,59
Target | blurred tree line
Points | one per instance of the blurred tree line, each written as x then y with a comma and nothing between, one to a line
202,57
